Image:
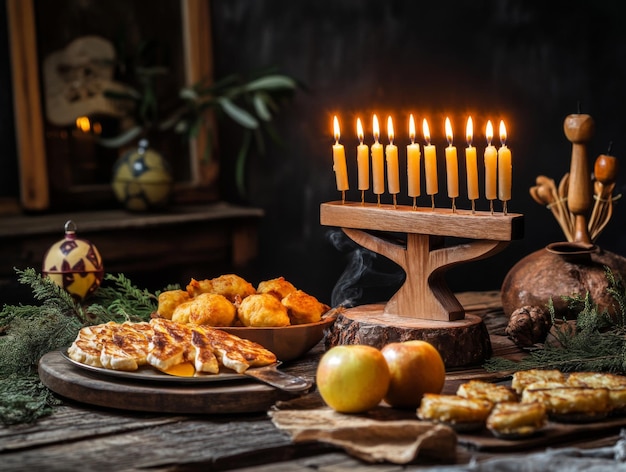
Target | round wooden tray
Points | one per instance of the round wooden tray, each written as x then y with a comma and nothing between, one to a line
232,396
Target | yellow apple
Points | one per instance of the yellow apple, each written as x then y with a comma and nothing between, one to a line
415,368
352,378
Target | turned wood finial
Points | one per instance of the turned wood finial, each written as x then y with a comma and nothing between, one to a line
579,129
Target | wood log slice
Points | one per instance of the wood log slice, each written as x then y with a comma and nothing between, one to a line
461,343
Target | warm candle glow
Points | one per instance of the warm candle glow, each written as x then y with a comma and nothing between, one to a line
378,161
339,160
471,164
393,171
452,165
491,164
362,158
502,133
413,156
430,162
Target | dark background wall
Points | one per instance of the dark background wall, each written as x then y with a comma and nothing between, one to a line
530,63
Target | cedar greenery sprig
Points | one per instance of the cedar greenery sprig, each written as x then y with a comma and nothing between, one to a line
27,332
595,342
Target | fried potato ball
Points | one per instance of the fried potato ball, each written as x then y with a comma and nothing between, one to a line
169,300
303,308
231,286
262,309
279,287
209,309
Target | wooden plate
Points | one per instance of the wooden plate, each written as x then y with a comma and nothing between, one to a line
227,396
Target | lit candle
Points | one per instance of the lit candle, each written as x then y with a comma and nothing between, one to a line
413,156
491,164
430,164
378,162
471,164
391,155
363,161
452,166
339,161
504,168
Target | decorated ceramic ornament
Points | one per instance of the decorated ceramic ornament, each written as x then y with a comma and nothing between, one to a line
142,179
74,264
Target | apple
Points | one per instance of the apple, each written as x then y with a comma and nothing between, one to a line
352,378
415,368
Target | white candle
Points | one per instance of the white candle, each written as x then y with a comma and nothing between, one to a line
491,165
504,167
339,160
430,162
378,162
391,155
362,158
413,156
471,164
452,164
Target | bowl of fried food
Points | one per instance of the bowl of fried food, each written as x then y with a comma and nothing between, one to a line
275,314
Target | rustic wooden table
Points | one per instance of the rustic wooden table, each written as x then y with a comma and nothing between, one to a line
82,437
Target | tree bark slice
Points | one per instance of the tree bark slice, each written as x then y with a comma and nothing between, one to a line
460,343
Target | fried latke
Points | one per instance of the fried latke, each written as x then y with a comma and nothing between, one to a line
279,287
486,391
525,377
614,382
231,286
513,419
561,401
169,300
262,309
453,409
303,308
209,309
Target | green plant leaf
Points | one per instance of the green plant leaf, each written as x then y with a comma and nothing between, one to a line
259,99
238,114
240,164
271,82
121,139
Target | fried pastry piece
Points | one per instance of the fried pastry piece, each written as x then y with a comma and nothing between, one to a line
126,348
209,309
232,351
486,391
615,383
303,308
567,402
87,347
231,286
526,377
453,409
279,287
513,419
204,359
170,344
262,309
169,300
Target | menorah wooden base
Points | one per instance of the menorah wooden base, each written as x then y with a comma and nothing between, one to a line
460,343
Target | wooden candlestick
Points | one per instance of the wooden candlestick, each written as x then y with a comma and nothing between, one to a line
579,129
424,307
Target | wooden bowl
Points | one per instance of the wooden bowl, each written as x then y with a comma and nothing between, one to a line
287,342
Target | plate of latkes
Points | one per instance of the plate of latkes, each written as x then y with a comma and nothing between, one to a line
152,374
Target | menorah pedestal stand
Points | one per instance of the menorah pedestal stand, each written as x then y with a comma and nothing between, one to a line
424,307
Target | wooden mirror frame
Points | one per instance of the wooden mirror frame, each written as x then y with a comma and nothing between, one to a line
28,110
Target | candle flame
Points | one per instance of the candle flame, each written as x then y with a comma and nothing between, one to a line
469,131
375,128
502,133
359,129
489,132
426,131
411,128
390,129
448,131
336,129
